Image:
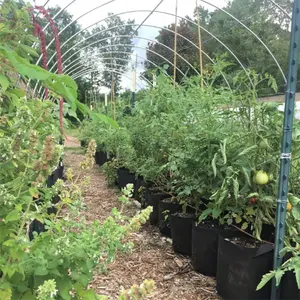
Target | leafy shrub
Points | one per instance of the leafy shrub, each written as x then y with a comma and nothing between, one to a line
58,262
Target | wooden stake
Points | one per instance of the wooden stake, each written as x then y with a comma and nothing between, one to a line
200,44
175,43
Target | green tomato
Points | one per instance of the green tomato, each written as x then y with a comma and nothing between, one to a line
271,177
263,144
261,177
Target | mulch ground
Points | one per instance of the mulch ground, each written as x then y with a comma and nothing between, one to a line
151,258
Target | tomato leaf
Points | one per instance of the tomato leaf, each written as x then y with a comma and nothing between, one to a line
244,226
4,82
235,188
41,271
12,216
265,279
213,164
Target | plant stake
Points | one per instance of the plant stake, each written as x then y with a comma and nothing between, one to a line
200,43
175,43
285,157
134,67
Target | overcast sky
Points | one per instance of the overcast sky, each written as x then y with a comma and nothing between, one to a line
128,10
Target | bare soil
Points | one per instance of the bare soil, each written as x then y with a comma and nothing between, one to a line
152,256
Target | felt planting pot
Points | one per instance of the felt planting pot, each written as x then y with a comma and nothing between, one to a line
51,180
124,177
153,197
205,237
288,287
268,233
137,186
35,226
149,191
181,232
102,159
166,207
60,170
241,265
97,157
83,143
146,194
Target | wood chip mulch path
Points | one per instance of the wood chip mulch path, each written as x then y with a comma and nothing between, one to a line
151,258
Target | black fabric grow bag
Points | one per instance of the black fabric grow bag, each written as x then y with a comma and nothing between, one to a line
83,143
35,225
165,208
147,192
205,246
152,199
51,180
60,170
240,270
181,231
102,158
97,157
137,186
288,285
124,177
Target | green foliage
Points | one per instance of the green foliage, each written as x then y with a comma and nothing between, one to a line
60,261
112,43
205,143
61,21
270,24
110,171
290,265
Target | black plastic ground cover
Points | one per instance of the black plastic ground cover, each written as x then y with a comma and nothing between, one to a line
240,270
165,208
181,232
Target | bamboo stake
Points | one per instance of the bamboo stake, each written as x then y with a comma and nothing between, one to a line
134,82
200,44
113,97
105,103
175,43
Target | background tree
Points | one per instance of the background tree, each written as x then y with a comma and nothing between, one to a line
61,21
184,49
110,42
261,16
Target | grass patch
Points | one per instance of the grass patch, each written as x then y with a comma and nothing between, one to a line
72,132
75,150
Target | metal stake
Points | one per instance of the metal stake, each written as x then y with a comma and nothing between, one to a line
285,157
